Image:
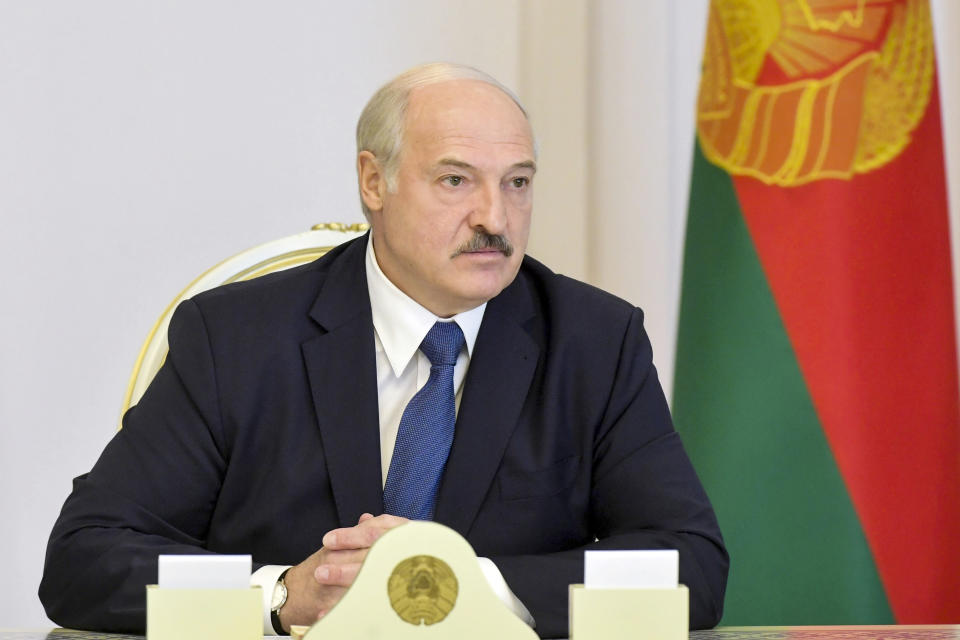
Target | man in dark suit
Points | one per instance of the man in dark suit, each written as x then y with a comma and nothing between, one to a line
279,425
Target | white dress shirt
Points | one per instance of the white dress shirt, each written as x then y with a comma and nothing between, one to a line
399,326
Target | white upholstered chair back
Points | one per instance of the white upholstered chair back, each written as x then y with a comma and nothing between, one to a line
275,255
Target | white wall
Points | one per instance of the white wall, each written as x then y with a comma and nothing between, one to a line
646,71
142,141
946,22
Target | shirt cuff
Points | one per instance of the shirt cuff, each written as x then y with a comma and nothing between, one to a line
500,587
266,578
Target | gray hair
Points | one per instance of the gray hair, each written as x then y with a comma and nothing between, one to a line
380,127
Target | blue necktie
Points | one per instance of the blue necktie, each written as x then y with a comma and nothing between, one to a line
426,431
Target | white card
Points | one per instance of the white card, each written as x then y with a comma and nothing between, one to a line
204,572
654,569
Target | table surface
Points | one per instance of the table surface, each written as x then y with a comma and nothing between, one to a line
924,632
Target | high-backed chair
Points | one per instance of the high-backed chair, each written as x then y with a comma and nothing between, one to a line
275,255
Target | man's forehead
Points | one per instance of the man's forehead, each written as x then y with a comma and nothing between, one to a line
465,113
483,163
455,92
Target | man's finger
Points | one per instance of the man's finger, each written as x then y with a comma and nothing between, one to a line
363,534
339,575
347,538
347,556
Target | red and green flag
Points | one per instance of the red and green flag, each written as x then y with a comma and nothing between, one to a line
816,380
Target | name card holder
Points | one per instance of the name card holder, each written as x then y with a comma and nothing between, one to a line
629,613
204,614
420,581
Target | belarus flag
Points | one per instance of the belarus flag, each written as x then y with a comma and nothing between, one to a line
816,384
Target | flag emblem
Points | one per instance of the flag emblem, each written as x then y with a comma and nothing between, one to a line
843,88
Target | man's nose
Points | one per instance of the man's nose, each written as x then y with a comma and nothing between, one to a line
490,210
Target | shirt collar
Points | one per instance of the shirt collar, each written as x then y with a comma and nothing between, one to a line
402,323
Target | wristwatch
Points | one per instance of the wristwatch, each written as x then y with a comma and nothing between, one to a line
276,603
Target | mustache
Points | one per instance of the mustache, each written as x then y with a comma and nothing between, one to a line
482,240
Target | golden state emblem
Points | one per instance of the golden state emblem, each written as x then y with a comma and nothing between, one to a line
794,91
422,590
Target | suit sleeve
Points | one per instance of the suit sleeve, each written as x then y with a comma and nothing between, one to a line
645,494
152,492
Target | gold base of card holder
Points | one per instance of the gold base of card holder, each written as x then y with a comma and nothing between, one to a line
421,581
637,614
204,614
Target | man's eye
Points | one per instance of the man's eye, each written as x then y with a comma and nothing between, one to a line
520,183
454,181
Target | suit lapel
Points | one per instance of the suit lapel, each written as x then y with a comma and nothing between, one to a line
501,369
341,367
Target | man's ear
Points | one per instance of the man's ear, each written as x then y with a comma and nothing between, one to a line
373,183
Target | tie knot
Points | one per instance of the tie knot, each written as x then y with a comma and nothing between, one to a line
443,343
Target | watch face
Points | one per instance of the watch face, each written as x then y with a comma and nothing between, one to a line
279,596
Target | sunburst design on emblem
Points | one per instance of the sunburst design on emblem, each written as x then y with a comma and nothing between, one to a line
818,35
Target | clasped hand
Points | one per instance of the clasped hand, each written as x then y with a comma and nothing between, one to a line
318,583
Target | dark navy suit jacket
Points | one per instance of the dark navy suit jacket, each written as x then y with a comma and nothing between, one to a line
261,433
